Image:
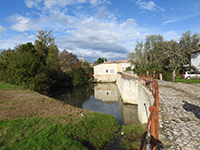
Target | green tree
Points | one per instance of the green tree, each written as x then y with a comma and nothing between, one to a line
46,48
158,54
188,43
86,66
100,60
78,77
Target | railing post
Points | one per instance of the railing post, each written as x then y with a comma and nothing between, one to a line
157,111
153,130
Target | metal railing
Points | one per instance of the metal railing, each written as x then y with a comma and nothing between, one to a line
178,77
151,83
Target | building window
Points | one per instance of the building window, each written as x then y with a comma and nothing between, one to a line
123,68
112,93
106,70
112,71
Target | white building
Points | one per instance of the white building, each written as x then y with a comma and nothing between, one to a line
195,58
107,71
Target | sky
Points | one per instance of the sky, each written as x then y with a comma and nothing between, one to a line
96,28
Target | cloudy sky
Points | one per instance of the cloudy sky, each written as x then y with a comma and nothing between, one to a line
96,28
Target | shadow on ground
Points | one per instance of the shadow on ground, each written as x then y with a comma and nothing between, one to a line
193,108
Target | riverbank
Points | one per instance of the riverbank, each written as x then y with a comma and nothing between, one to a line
29,120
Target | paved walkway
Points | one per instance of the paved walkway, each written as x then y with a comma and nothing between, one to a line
180,116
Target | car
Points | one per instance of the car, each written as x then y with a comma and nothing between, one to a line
192,75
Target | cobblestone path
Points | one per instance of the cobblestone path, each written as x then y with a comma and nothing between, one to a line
179,116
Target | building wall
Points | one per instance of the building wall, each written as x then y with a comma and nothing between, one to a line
106,72
195,60
122,66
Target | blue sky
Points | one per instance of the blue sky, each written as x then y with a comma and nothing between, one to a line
96,28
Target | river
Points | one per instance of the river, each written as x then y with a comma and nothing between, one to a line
100,97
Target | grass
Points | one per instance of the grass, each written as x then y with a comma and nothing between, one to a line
93,131
179,79
132,136
6,86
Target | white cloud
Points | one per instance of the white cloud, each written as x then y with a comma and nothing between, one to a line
128,22
32,3
169,21
171,35
2,30
149,5
15,40
97,2
21,23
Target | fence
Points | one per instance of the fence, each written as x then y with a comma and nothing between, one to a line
178,77
189,78
151,83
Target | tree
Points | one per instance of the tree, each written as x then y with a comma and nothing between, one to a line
158,54
78,77
46,48
188,43
100,60
86,67
68,61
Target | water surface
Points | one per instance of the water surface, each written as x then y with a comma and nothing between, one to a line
103,98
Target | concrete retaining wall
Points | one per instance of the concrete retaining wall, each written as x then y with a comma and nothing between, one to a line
134,93
128,90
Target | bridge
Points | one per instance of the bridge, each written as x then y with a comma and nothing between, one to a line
179,110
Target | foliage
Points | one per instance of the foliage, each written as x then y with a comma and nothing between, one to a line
86,66
160,55
67,61
78,77
39,66
100,60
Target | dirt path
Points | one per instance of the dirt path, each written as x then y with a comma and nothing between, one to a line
21,103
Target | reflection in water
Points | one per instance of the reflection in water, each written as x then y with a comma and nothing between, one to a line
102,98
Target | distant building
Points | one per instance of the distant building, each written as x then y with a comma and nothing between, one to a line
122,65
195,59
107,71
81,59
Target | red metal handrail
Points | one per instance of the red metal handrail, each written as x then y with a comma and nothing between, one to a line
151,83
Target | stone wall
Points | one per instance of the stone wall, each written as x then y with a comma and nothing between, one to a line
145,100
133,92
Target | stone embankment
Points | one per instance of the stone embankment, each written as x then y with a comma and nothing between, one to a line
179,116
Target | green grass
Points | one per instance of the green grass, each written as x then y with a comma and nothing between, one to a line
132,136
179,79
92,131
6,86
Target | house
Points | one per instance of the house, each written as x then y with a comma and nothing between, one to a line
195,59
122,65
107,71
